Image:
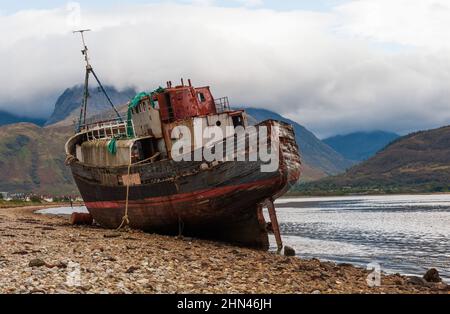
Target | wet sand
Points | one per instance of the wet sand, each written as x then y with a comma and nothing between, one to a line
41,254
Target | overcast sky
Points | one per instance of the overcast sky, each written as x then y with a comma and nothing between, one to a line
333,66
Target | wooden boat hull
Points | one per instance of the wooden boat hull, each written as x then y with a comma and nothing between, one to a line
220,201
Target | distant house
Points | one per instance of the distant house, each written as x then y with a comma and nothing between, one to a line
17,196
4,196
47,199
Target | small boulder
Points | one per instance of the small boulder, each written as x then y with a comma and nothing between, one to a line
110,258
345,265
112,235
417,281
288,251
20,252
234,251
132,269
36,263
432,275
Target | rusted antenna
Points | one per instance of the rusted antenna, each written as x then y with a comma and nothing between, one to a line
89,70
85,48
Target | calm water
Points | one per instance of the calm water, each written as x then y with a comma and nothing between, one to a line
407,234
63,210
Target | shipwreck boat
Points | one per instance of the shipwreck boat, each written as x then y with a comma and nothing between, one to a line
127,174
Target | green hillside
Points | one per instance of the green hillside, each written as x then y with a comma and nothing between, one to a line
32,159
419,162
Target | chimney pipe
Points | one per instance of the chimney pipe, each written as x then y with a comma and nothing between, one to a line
189,81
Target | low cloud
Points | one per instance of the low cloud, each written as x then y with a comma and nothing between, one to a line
326,70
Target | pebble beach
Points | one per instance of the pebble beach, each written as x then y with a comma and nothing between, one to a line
45,254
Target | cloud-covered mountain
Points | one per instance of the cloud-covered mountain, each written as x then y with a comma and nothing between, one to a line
340,70
320,160
67,107
360,146
32,157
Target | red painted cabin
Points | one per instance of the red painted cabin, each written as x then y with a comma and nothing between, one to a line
181,102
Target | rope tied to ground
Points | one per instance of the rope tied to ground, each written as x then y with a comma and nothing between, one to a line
125,218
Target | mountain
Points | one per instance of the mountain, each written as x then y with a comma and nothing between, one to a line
360,146
317,156
9,118
32,159
419,162
67,107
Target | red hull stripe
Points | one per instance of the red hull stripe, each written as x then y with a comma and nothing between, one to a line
179,198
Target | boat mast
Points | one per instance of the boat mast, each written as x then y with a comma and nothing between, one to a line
90,70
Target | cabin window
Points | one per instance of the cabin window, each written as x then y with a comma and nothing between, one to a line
218,123
238,121
201,97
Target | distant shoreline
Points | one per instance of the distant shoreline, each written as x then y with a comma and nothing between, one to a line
300,194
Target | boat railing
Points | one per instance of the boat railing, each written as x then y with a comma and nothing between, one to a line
222,104
106,129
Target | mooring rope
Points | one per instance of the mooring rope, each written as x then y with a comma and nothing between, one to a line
180,226
125,219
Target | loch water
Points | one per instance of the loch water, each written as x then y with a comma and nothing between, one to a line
408,234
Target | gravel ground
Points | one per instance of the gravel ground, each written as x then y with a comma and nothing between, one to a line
44,254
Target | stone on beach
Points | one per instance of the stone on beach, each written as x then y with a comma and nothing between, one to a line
132,269
288,251
432,275
112,235
36,263
417,281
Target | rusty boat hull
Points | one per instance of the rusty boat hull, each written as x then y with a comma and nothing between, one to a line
220,201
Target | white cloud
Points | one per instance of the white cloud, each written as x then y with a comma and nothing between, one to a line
318,68
421,23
